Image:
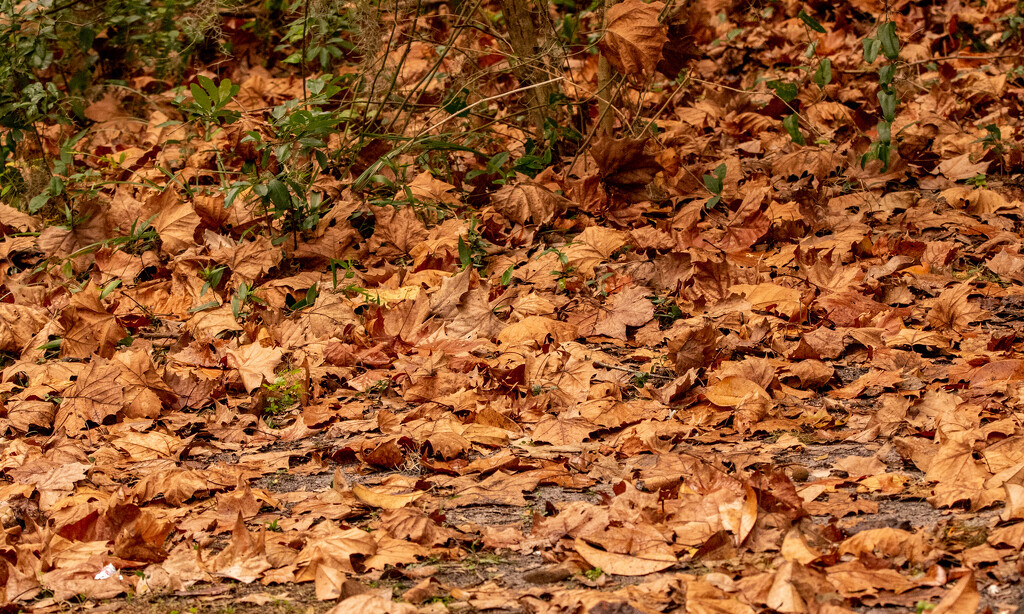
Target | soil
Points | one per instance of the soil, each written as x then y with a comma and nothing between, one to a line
524,573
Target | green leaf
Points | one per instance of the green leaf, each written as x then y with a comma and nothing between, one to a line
321,159
278,194
877,151
786,91
886,74
871,48
715,181
208,85
201,97
110,287
811,22
38,202
890,43
714,200
888,102
713,184
884,132
465,257
506,277
456,104
86,36
720,171
205,306
226,92
792,126
823,76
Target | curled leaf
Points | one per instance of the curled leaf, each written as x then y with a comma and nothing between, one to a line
649,562
383,500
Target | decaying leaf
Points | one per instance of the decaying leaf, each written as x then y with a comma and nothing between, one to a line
633,38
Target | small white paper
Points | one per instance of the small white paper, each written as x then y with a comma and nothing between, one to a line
106,572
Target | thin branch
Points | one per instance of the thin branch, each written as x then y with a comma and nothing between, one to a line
605,365
491,98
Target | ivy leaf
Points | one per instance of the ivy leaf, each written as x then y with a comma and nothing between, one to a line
886,74
887,37
884,132
887,100
465,257
823,76
792,126
871,48
784,90
811,22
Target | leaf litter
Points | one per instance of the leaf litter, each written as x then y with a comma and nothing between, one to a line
799,399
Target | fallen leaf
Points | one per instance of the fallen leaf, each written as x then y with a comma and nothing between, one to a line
625,564
384,500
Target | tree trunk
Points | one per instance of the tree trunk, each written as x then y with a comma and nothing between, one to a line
529,63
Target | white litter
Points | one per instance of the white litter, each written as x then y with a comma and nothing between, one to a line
107,572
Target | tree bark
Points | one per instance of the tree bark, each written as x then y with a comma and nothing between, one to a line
530,62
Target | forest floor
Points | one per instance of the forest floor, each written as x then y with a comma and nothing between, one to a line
367,333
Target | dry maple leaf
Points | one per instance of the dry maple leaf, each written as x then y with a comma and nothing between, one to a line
18,324
248,261
372,602
95,398
384,500
562,431
952,310
633,37
630,307
176,221
961,167
244,559
693,347
625,162
91,329
527,201
255,364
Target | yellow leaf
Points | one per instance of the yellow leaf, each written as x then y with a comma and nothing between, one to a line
384,500
733,391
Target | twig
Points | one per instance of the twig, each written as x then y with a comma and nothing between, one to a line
605,121
965,57
605,365
302,60
490,98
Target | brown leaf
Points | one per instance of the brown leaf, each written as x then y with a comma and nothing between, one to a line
95,398
633,37
91,329
640,564
625,162
384,500
562,431
176,222
18,324
255,364
628,308
527,201
244,559
952,311
370,603
693,347
963,598
960,168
